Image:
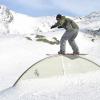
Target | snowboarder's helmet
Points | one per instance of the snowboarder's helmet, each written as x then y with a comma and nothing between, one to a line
58,16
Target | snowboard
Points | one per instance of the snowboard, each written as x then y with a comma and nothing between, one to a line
68,54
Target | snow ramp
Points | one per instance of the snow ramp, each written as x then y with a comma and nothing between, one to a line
58,65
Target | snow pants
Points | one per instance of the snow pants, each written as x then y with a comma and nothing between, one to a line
69,35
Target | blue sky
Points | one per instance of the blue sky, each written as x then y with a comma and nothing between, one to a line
53,7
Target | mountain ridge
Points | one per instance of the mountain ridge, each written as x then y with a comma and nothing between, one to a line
15,23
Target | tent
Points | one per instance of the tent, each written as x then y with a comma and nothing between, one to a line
58,65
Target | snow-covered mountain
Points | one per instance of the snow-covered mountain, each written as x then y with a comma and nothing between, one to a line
15,23
94,16
90,23
5,18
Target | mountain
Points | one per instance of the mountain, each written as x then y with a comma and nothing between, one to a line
6,17
15,23
94,16
91,23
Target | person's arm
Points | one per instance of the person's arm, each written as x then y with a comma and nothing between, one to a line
55,25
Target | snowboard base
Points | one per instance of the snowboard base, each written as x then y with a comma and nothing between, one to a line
68,54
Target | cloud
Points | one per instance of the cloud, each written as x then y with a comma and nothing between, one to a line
34,4
71,7
77,6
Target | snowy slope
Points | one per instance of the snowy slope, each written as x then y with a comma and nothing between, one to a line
17,53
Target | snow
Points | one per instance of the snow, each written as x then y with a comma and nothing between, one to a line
17,53
78,87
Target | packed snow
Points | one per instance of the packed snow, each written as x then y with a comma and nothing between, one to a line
19,49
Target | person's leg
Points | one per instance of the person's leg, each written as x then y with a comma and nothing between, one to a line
62,45
73,43
63,40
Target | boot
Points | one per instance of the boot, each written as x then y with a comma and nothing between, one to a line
61,52
76,53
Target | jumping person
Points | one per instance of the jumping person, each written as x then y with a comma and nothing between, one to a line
70,34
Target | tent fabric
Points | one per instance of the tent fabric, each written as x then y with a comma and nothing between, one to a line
58,65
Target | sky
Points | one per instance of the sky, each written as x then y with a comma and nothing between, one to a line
53,7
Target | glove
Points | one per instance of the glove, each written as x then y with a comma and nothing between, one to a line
52,27
60,27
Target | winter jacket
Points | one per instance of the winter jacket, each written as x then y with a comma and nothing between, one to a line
66,23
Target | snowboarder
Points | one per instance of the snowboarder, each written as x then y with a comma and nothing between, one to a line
70,34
